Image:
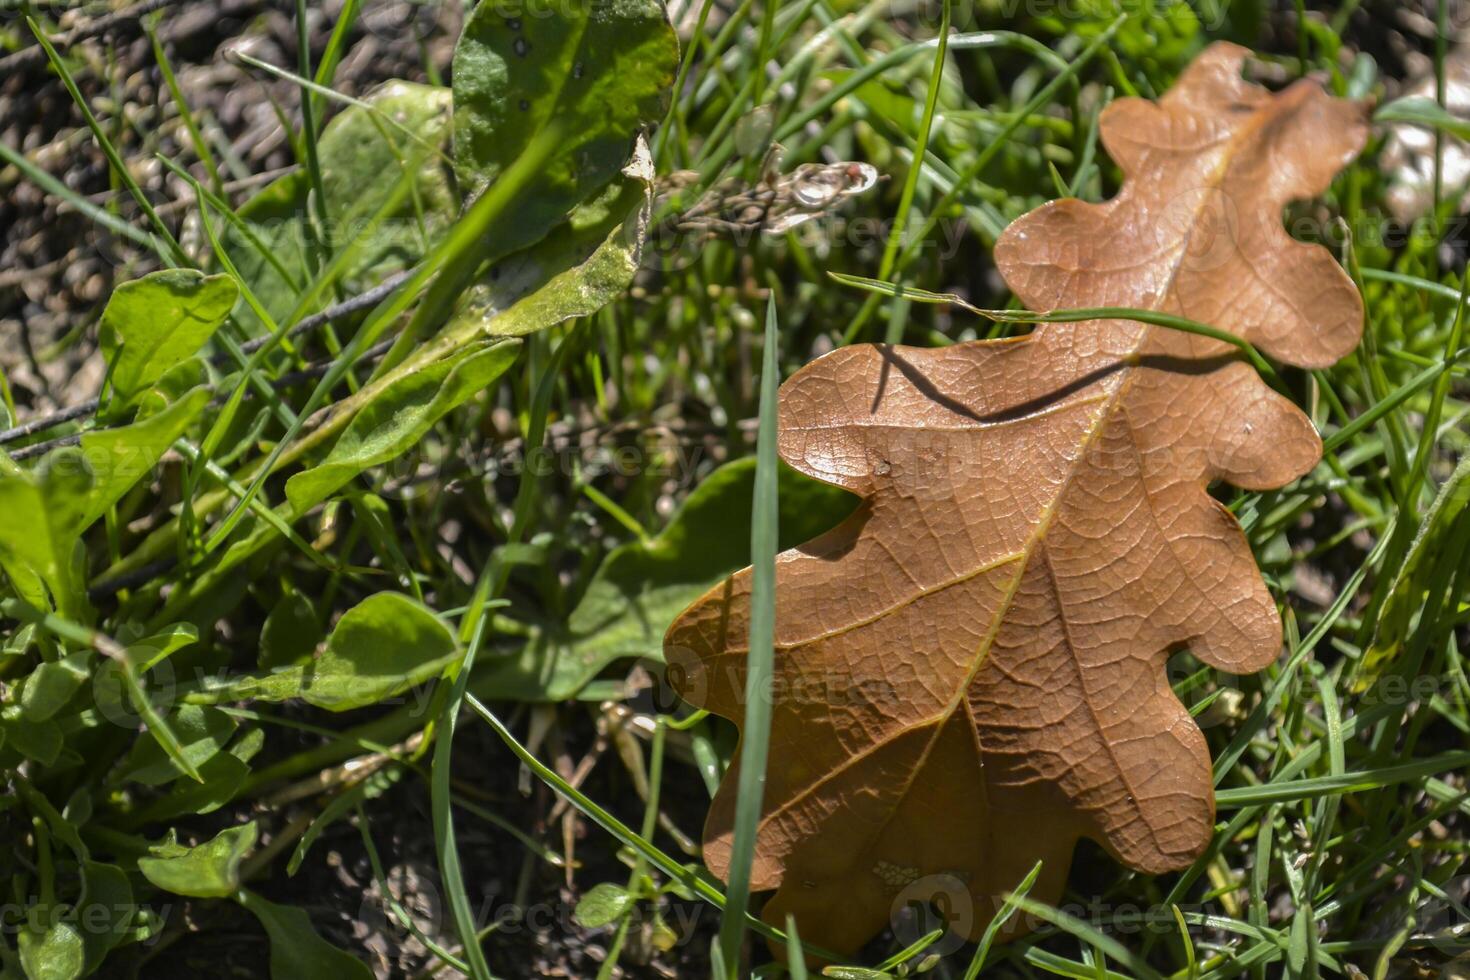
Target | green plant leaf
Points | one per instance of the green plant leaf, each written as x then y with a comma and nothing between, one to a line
211,870
119,457
296,949
43,522
400,416
201,732
369,215
53,953
154,323
383,646
1419,110
149,651
605,903
575,271
601,69
47,509
39,740
52,684
641,587
291,631
220,779
107,911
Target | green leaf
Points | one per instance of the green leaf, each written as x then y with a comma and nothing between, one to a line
601,69
641,587
54,953
52,684
43,523
371,217
119,457
38,740
211,870
575,271
291,631
48,509
107,911
201,733
605,903
296,949
220,780
154,323
383,646
400,416
151,650
1418,110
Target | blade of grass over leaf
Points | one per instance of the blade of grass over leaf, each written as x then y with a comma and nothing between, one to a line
1009,907
1152,317
754,746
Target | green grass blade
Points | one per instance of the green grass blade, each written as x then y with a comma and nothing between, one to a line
754,740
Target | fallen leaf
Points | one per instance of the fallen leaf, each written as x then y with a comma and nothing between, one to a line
969,670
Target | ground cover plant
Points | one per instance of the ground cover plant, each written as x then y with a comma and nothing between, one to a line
382,381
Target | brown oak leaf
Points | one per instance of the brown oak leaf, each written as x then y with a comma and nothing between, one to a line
970,671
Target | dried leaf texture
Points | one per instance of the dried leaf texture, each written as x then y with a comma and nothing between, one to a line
970,671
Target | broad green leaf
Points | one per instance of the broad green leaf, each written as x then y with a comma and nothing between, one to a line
291,631
373,218
296,949
53,953
400,416
601,70
107,912
383,646
38,740
52,684
43,523
119,457
211,870
641,587
152,324
604,904
48,509
220,779
576,270
201,733
149,651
